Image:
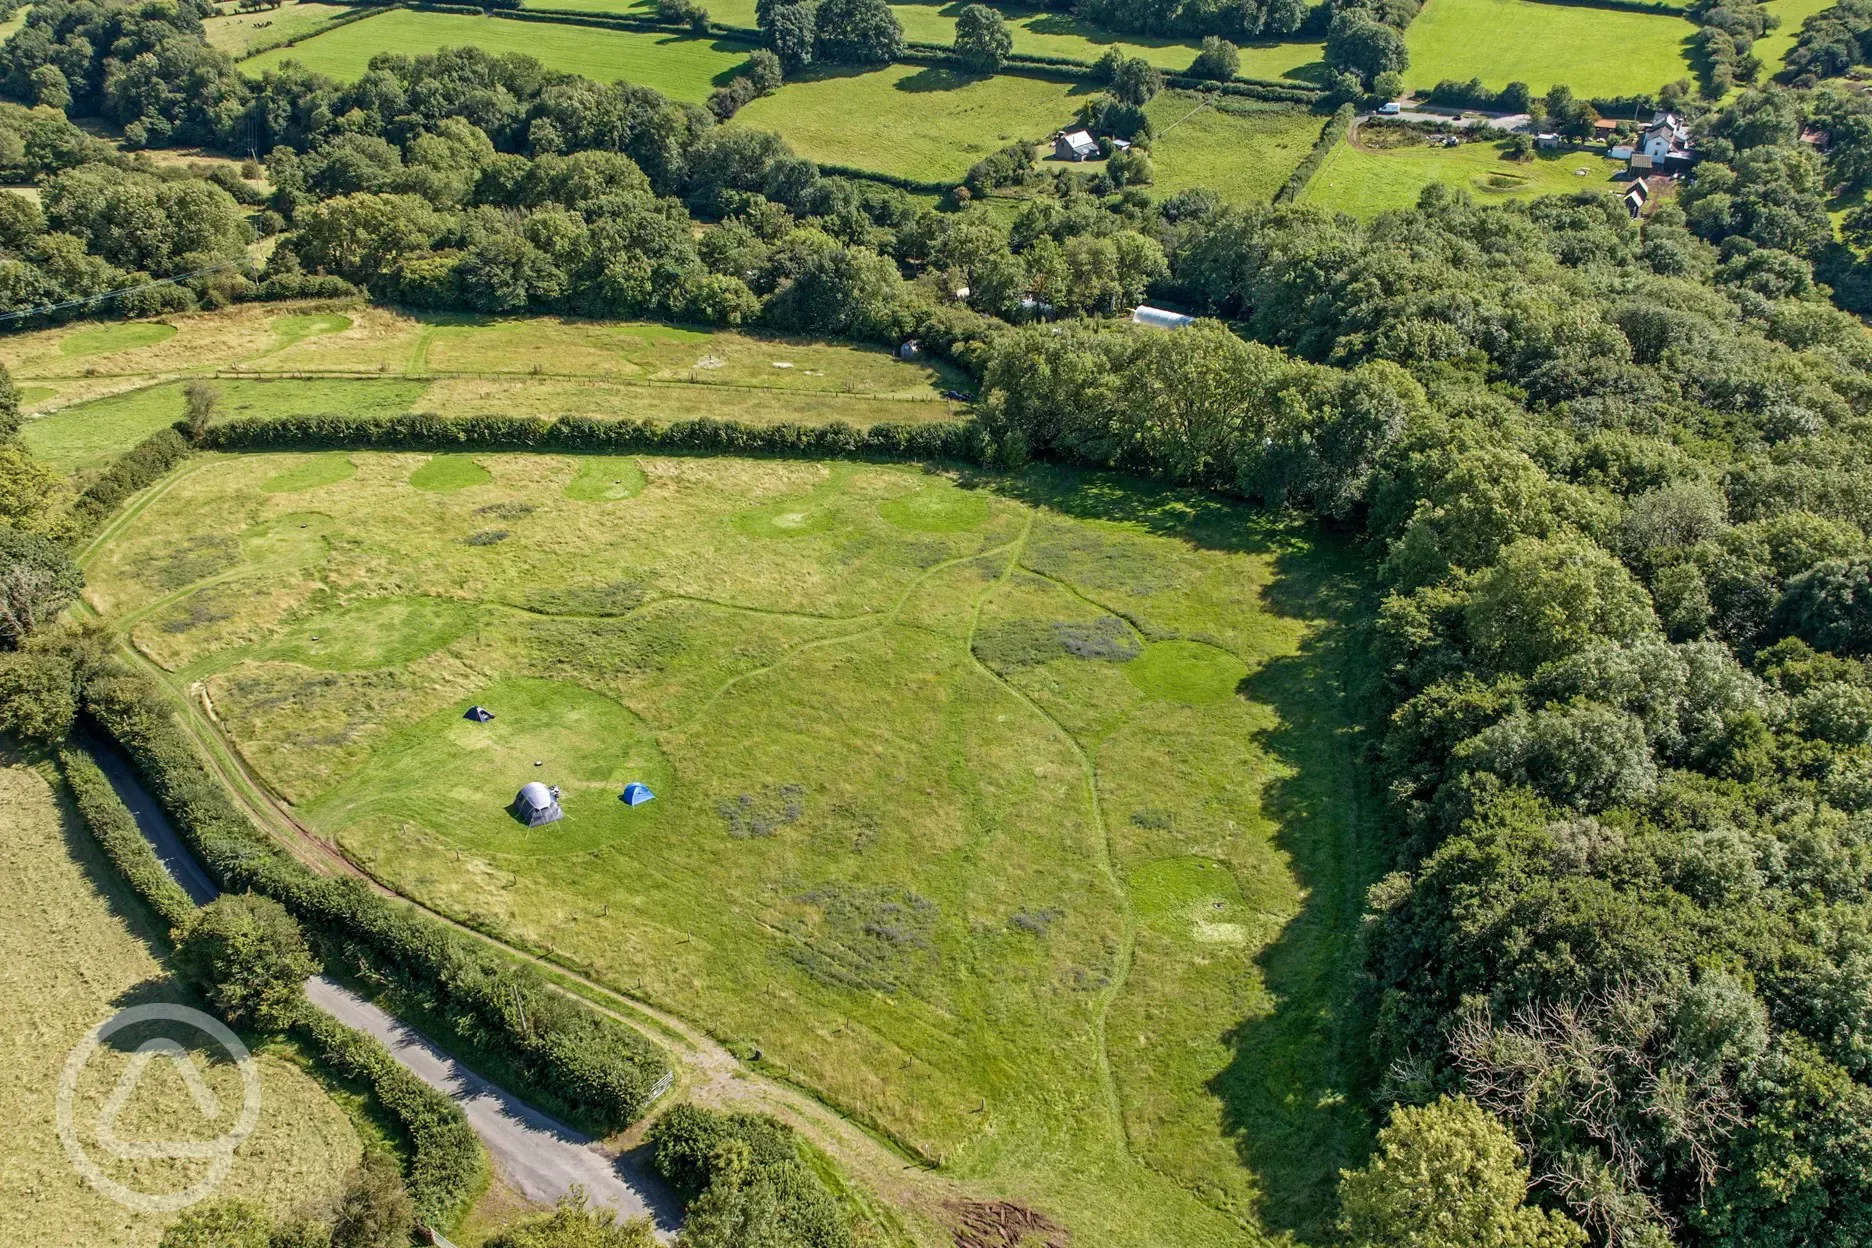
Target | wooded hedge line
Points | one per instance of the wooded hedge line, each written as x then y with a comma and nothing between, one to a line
563,1057
116,832
447,1168
141,466
1330,134
940,440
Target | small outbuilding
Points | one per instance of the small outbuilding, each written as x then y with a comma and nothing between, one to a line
1160,318
1076,145
636,794
536,804
480,714
1546,140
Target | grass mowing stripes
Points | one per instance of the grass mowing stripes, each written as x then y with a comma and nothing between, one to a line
681,66
1597,52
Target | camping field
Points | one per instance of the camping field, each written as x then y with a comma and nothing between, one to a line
681,66
77,948
1597,52
1017,817
94,391
1365,183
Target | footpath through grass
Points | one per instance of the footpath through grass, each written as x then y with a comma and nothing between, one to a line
681,66
77,948
1597,52
1019,817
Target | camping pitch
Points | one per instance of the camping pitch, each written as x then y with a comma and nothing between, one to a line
480,714
536,804
636,794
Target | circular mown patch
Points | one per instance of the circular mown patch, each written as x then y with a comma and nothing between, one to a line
444,474
309,474
309,325
793,517
457,778
605,479
935,509
1186,671
99,339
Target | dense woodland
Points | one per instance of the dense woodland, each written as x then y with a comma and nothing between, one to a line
1615,478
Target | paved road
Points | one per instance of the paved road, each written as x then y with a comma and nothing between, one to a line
537,1155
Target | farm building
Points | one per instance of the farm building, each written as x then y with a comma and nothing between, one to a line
1635,196
1160,318
536,804
1075,145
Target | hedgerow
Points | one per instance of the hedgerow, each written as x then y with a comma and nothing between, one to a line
115,830
140,466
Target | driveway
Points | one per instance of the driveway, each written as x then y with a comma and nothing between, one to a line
539,1156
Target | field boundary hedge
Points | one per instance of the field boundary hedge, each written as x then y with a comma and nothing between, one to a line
1655,8
142,465
562,1056
358,14
937,440
1335,129
447,1167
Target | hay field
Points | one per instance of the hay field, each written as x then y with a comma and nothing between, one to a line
1245,153
1365,183
1594,51
95,390
681,66
75,950
1017,816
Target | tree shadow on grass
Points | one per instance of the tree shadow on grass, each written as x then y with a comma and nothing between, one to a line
936,78
1293,1091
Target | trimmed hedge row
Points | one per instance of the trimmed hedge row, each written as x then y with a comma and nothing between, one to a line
116,832
924,186
411,431
142,465
447,1168
561,1056
1330,134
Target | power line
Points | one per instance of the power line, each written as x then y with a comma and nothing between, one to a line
113,294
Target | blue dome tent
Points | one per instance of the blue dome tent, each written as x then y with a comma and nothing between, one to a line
636,794
480,714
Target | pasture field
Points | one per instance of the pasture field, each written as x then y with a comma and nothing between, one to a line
681,66
77,948
912,121
1365,183
1037,32
1244,153
94,391
1016,816
1594,51
1774,46
237,33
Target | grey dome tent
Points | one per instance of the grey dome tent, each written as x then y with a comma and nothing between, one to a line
480,714
536,804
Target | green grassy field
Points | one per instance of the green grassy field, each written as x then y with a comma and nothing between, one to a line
1365,183
1244,155
1037,32
77,948
237,33
914,121
680,66
1016,816
1774,46
1594,51
370,360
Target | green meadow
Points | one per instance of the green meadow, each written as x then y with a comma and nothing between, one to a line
1365,183
1597,52
1015,816
681,66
